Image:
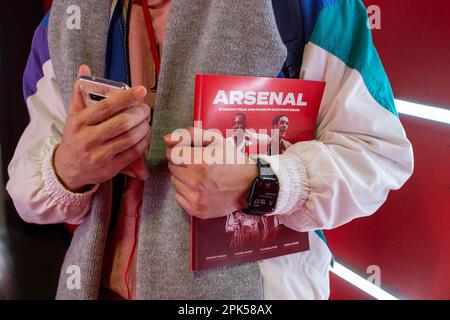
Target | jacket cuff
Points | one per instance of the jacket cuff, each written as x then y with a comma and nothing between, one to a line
56,189
294,182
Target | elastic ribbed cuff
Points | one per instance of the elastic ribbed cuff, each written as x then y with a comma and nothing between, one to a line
294,182
56,189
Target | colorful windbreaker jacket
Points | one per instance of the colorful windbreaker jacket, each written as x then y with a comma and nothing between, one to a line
360,151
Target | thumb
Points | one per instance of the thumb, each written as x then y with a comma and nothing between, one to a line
77,103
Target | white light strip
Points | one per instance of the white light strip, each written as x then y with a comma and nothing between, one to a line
423,111
361,283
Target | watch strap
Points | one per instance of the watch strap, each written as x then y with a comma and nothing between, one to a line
264,168
265,171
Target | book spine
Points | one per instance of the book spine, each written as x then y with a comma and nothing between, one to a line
194,254
198,98
197,118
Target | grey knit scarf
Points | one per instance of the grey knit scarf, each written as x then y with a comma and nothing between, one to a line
203,36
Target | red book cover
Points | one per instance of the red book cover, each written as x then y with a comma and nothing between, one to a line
257,115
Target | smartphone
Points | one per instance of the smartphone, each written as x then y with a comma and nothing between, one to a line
95,89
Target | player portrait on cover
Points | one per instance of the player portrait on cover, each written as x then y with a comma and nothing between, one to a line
278,142
246,140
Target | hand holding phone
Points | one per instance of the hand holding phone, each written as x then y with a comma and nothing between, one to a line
102,138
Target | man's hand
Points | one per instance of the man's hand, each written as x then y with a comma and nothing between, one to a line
209,190
99,142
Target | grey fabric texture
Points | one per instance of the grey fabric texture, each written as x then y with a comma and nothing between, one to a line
203,36
70,48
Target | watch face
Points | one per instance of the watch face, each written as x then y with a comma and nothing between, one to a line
264,195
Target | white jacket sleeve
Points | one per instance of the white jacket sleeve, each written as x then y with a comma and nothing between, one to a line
37,194
360,151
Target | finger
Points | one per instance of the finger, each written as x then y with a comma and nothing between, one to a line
84,70
177,171
126,157
112,105
128,139
171,141
179,137
187,175
184,156
77,102
180,156
191,137
184,203
122,123
181,188
137,169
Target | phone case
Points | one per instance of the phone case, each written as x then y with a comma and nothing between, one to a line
94,89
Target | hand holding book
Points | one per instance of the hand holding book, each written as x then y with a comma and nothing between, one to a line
206,185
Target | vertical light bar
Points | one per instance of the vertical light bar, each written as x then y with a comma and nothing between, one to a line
412,109
423,111
361,283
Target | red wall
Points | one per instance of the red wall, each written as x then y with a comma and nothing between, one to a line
414,44
409,237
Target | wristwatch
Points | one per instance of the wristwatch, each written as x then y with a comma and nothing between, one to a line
263,196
